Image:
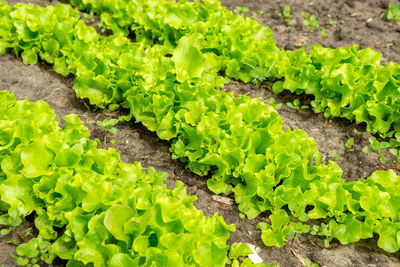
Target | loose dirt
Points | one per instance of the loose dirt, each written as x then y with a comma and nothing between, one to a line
358,22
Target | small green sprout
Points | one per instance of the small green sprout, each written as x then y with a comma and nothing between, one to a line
296,105
335,155
273,104
88,16
333,23
34,252
392,13
102,26
11,221
323,33
319,105
377,147
108,128
356,131
308,263
348,145
394,143
89,109
286,15
241,10
311,22
259,73
257,14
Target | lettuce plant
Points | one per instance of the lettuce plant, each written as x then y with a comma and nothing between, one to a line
170,88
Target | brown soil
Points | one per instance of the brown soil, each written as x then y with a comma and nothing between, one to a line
357,22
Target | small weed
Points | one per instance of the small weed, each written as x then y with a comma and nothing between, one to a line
286,15
33,252
335,155
296,105
390,44
257,14
259,73
311,22
333,23
108,128
308,263
323,33
90,111
273,104
356,131
394,143
348,145
88,16
102,26
241,10
392,13
377,147
10,221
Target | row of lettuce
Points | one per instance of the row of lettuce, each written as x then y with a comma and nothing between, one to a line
92,208
240,141
345,82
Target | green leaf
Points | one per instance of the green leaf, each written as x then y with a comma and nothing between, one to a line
277,87
29,249
349,142
22,261
5,231
29,57
115,219
113,130
36,159
66,158
3,47
60,66
210,254
218,187
273,238
188,59
64,249
239,249
366,149
113,107
388,237
121,259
